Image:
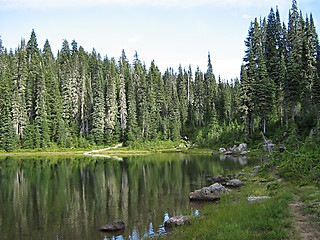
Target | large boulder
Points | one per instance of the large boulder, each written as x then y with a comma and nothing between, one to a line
211,193
113,226
177,221
240,148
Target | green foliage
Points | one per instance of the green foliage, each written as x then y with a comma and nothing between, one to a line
301,163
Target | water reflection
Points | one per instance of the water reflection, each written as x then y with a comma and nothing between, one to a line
71,198
243,160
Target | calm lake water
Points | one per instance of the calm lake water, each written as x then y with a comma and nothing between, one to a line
70,198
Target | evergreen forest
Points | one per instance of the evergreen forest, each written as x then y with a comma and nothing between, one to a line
79,99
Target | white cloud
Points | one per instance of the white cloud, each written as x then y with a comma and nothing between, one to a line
162,3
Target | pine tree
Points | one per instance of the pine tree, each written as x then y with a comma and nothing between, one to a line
122,103
19,110
98,105
155,100
210,94
263,91
7,138
199,95
182,90
33,56
294,65
141,95
173,112
53,96
245,98
85,96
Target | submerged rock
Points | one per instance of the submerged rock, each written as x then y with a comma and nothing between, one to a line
113,226
177,221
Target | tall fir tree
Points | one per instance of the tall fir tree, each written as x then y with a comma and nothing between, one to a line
98,104
7,138
19,108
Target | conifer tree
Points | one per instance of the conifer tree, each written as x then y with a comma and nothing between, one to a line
19,111
294,43
141,95
7,138
122,103
199,93
182,90
53,96
98,104
210,94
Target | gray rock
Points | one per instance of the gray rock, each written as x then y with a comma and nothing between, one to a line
205,195
218,187
239,175
243,146
256,199
219,179
234,183
211,193
177,221
255,171
222,150
244,153
113,226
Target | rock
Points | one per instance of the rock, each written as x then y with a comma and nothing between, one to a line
199,195
218,187
222,150
211,193
177,221
256,199
243,146
239,175
234,183
229,153
219,179
255,170
240,148
113,226
244,153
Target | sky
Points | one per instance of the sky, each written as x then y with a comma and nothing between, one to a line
170,32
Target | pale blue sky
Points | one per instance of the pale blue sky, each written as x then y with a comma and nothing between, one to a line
171,32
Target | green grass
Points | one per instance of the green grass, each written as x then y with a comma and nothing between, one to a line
234,218
241,220
310,196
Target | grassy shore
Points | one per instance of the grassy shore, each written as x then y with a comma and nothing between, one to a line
233,217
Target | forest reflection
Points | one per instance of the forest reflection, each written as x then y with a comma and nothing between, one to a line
56,197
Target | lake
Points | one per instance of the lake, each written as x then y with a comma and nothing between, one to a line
71,197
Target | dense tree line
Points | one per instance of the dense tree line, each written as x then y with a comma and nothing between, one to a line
280,77
79,98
